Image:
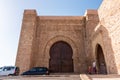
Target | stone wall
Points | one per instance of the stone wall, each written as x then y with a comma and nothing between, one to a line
25,51
109,15
103,29
82,33
39,33
106,33
53,29
92,21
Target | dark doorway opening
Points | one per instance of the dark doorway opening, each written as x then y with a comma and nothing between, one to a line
61,58
101,65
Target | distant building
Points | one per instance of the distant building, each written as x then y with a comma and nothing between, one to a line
68,44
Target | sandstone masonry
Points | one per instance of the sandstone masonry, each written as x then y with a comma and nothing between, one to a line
83,33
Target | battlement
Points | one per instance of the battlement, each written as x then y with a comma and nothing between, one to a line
62,17
90,11
30,11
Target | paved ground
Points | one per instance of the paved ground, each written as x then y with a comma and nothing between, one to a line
42,77
100,77
105,77
63,77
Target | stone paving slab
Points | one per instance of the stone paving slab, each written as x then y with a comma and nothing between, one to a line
63,77
105,78
100,77
42,77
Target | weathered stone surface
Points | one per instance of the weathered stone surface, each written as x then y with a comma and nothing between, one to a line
82,33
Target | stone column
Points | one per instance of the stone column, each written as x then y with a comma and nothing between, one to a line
23,59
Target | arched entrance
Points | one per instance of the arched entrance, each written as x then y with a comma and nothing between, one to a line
101,65
61,58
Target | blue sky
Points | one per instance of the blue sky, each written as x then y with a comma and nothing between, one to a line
11,14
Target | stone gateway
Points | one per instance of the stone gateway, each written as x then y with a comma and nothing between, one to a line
70,44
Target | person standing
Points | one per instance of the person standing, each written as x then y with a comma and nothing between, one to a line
94,67
89,70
